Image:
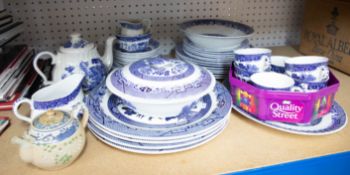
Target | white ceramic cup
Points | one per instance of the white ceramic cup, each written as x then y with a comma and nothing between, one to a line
252,60
274,81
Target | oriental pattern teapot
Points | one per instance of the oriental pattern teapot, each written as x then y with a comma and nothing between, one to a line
79,56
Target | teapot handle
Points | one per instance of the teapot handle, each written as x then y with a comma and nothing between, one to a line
85,118
37,69
16,112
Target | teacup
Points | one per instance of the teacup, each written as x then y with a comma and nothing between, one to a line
63,95
277,63
134,43
274,81
242,74
134,27
311,72
252,60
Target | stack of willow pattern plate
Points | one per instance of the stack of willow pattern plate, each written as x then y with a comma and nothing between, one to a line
210,43
119,126
122,58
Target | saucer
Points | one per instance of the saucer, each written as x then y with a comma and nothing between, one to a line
142,145
331,123
99,116
127,116
159,151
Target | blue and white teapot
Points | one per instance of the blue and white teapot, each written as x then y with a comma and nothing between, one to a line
78,56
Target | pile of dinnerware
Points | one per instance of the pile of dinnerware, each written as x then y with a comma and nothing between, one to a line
134,42
210,43
158,105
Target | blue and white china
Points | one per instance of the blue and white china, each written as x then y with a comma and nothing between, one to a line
274,81
243,74
311,86
63,95
141,145
109,141
160,87
78,56
216,33
253,60
277,63
124,114
53,136
122,58
133,43
331,123
133,27
99,117
311,72
216,62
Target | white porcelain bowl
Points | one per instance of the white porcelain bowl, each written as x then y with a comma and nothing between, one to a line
160,87
216,33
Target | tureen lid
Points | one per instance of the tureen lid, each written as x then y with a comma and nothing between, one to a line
51,120
76,44
156,79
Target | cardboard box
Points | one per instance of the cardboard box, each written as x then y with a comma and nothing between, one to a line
326,31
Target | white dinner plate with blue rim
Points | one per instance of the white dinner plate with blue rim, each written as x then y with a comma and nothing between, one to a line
159,151
163,141
99,116
124,114
142,145
331,123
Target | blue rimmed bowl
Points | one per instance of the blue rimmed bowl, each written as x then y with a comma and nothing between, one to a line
133,43
216,33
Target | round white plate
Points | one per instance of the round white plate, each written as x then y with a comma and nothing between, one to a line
331,123
142,145
159,151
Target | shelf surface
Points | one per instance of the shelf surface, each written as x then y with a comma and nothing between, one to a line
244,144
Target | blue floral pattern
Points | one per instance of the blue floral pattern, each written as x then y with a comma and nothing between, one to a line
94,73
161,69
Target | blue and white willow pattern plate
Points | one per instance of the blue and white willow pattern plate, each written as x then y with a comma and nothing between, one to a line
141,145
333,122
158,151
99,116
127,116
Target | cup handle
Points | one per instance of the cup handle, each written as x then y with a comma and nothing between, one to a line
37,69
16,112
147,23
296,89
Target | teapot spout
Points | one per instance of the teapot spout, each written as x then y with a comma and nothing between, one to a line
107,57
25,150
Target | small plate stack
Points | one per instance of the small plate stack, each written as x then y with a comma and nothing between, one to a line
210,43
122,57
158,105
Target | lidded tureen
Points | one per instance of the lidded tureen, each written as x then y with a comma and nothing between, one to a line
160,86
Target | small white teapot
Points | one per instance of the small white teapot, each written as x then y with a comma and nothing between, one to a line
79,56
54,139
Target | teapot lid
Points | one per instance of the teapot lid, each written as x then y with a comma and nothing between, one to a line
51,119
76,44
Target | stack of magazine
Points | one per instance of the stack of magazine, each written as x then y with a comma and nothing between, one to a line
17,75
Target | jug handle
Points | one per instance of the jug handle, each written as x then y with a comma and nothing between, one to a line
37,69
16,112
147,23
85,118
